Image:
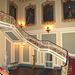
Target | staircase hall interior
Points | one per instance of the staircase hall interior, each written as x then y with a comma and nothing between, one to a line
33,50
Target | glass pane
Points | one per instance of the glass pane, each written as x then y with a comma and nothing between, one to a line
48,57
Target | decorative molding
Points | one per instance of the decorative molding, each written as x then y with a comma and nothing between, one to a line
14,34
11,46
52,30
70,54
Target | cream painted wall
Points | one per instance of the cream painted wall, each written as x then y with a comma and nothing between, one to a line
3,5
2,48
39,25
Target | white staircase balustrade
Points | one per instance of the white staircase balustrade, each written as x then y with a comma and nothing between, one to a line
42,46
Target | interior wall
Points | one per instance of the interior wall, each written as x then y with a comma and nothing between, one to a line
69,41
16,53
26,53
3,5
58,16
9,51
2,48
18,9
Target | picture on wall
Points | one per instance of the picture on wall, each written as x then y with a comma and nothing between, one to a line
12,10
48,12
68,7
30,16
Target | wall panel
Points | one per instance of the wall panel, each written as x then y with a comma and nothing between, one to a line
26,53
68,42
16,52
8,49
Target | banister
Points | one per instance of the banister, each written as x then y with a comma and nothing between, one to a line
17,25
44,40
52,43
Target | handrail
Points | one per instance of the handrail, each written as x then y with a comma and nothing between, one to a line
44,40
9,19
52,43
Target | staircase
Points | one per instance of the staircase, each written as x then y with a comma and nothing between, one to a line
71,69
42,46
73,66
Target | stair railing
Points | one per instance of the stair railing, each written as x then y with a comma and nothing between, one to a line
41,44
65,69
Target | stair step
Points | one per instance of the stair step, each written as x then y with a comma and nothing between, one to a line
70,68
73,64
73,61
73,68
73,72
69,73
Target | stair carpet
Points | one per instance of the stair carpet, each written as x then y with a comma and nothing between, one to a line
73,66
71,69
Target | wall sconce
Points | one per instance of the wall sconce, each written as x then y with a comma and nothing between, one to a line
22,46
21,25
23,43
48,29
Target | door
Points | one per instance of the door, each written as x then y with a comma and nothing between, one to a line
48,60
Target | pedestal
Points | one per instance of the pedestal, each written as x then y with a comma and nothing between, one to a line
34,66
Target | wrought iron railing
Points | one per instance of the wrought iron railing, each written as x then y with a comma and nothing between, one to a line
41,44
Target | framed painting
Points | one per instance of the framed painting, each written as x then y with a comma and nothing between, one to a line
12,9
48,12
30,15
68,10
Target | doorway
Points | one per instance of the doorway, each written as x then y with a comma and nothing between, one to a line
48,60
